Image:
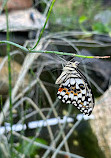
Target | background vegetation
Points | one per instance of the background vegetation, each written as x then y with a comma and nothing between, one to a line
28,92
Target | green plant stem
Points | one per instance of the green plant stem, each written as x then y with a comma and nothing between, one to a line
50,52
14,44
3,5
41,33
10,85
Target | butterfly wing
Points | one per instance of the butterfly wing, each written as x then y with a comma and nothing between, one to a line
61,78
74,89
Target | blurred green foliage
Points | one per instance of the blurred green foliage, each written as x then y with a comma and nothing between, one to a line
29,149
79,15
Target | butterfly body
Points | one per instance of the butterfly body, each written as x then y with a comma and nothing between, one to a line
74,88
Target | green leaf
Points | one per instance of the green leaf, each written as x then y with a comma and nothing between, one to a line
29,149
100,27
82,19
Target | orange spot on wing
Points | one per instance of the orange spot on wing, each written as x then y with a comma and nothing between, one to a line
68,93
66,89
82,105
74,93
73,87
60,89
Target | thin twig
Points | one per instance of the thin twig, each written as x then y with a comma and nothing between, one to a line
65,139
53,109
52,52
46,147
39,111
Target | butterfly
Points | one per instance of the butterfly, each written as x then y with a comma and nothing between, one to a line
74,88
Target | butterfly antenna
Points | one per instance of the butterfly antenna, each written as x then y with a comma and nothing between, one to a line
62,59
72,59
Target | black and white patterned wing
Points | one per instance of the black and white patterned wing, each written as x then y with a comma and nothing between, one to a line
74,89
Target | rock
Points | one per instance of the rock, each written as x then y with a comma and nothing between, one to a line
18,4
101,125
4,81
23,20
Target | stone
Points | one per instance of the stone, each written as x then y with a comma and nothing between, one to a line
4,81
18,4
101,125
22,20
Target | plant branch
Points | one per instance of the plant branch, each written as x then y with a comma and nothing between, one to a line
51,52
42,31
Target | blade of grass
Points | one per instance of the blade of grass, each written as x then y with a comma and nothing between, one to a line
10,85
48,15
3,5
46,146
67,136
